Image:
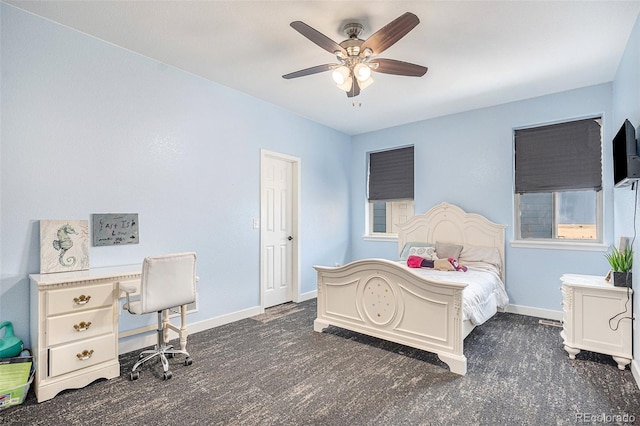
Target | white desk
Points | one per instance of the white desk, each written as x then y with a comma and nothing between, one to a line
74,326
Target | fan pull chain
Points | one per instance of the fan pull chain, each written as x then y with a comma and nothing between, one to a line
359,103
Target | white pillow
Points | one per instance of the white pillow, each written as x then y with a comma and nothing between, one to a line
489,255
410,248
424,252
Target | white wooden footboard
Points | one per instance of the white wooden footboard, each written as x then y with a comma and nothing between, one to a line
385,299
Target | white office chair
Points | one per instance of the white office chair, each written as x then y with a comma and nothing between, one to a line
167,281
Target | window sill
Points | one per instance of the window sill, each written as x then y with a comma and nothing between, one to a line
388,238
560,245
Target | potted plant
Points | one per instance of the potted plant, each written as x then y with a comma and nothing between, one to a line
621,262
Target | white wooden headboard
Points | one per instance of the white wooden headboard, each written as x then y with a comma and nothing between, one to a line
448,223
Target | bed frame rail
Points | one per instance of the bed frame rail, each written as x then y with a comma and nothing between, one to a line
387,300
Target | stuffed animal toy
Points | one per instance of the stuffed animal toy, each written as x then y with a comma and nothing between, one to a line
449,264
443,265
454,262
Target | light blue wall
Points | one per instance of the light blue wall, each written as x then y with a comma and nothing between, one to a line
467,159
626,104
91,128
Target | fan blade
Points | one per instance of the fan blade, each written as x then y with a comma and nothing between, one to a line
309,71
355,89
318,38
391,66
390,33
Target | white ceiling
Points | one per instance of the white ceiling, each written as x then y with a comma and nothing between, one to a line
479,53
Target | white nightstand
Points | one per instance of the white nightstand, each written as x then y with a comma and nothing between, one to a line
589,303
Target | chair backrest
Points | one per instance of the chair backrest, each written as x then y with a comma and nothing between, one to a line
168,281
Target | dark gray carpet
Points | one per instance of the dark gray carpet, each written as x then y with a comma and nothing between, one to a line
275,370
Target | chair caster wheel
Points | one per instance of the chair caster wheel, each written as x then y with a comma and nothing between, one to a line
188,361
134,375
167,375
171,355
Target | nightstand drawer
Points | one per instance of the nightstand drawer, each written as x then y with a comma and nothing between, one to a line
75,299
85,353
79,325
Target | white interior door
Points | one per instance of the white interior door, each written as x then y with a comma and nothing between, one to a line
278,239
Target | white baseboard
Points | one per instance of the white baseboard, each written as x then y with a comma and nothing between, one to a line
307,296
535,312
139,341
133,340
635,370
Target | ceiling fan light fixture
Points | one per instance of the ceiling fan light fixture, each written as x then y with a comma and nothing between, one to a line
366,83
356,58
366,52
362,71
341,75
346,86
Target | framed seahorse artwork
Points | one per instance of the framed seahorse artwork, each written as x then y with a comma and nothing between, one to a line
64,245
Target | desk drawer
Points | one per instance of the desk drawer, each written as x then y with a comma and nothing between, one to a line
79,325
85,353
79,298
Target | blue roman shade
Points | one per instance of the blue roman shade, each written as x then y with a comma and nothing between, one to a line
559,157
391,174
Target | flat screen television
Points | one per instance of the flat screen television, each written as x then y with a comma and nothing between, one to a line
626,163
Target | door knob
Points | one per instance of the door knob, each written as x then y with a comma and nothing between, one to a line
289,238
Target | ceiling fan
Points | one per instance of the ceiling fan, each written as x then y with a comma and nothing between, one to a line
357,57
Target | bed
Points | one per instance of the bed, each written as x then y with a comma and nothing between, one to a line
423,308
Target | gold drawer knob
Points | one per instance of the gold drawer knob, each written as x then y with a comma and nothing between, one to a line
82,300
85,355
83,326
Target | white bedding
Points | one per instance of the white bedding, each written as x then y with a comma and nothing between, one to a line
484,294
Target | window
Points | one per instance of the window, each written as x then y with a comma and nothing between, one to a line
390,190
558,182
385,215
